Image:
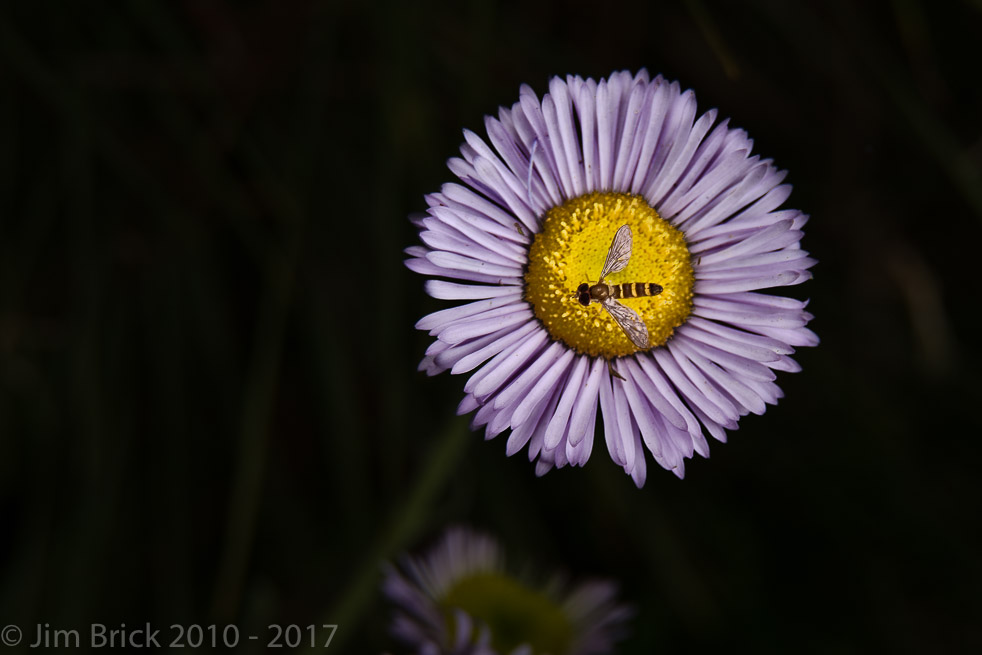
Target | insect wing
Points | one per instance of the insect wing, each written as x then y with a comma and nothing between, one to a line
620,252
630,322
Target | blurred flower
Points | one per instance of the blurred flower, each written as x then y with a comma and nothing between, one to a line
458,599
534,220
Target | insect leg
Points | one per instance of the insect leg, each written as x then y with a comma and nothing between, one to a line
613,372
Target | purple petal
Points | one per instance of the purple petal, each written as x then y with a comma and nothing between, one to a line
639,471
726,174
538,435
626,432
632,136
443,290
682,180
653,372
531,112
698,396
744,315
584,98
782,279
774,237
742,265
480,326
523,432
611,431
442,237
653,394
643,413
579,453
493,309
444,317
544,373
483,231
582,420
559,118
727,382
559,423
506,358
676,148
467,405
800,336
468,204
503,366
734,338
507,337
727,359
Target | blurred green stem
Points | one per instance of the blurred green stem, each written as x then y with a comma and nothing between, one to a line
403,525
257,404
714,38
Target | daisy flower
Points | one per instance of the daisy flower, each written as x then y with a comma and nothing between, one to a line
459,599
617,177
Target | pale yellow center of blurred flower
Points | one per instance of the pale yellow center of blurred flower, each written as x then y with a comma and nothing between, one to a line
571,249
515,613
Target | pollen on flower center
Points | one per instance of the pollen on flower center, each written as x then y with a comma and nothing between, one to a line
571,249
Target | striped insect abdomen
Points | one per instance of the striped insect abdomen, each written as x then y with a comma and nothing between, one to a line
635,289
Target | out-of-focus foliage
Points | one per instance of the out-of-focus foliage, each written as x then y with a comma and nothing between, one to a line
209,408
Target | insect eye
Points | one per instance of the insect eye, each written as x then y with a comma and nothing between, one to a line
583,288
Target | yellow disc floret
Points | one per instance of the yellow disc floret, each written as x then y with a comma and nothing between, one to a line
571,249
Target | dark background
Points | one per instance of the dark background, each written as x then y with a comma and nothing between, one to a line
209,404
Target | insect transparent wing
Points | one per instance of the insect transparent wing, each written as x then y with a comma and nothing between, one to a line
620,252
630,322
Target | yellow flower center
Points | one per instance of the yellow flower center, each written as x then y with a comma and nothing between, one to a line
571,249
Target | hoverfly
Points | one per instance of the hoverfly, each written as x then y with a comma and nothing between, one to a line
607,294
